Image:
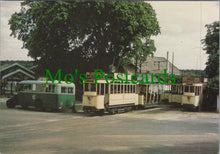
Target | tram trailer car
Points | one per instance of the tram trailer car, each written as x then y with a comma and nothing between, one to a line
115,98
52,96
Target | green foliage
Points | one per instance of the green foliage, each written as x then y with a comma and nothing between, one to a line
84,35
211,45
213,84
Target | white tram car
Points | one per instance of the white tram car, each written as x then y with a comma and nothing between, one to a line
192,95
188,95
115,98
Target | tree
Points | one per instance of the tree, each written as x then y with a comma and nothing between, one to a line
211,45
83,35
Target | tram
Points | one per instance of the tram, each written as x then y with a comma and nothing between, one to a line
36,93
116,98
112,98
192,95
187,95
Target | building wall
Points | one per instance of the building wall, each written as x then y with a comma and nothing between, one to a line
157,65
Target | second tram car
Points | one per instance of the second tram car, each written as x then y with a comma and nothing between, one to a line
188,95
192,95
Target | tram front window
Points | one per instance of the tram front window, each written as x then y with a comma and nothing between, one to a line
90,87
186,88
191,89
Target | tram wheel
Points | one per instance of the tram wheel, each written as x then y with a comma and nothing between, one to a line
10,104
112,111
73,109
39,104
100,112
24,106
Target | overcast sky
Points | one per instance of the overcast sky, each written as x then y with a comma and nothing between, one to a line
182,27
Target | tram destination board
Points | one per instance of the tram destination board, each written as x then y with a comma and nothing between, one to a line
190,80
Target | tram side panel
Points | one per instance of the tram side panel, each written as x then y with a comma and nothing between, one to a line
93,102
129,99
177,98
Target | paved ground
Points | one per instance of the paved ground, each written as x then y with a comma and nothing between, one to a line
159,130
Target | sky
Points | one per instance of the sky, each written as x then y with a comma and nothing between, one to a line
182,26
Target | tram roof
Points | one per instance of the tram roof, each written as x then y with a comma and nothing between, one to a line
44,82
193,84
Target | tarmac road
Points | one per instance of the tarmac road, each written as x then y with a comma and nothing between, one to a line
158,130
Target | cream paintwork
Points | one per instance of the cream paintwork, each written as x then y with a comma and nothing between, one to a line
175,98
93,101
188,94
89,99
190,100
141,100
165,96
90,93
121,99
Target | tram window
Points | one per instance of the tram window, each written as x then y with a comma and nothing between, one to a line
102,89
122,89
50,88
126,88
93,87
129,88
119,88
106,88
98,89
111,89
116,89
198,90
90,87
86,87
41,88
191,88
63,89
26,87
181,90
186,88
70,90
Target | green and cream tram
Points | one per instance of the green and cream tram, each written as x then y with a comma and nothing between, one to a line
53,96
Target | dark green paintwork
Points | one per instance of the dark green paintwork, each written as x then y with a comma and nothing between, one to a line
48,100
